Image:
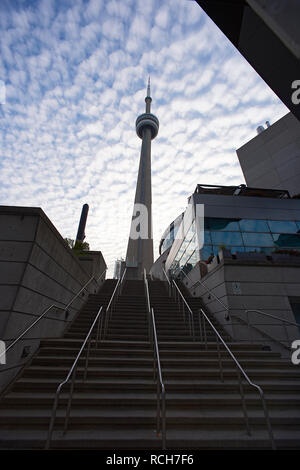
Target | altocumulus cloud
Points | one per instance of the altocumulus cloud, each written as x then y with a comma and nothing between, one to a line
75,74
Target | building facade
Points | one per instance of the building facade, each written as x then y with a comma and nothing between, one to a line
272,158
244,256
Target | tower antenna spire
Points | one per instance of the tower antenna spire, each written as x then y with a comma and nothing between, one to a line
139,254
148,87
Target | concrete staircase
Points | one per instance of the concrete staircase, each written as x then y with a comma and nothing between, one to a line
115,407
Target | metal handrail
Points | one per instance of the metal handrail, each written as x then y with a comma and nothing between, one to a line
252,384
160,391
168,281
240,371
185,304
112,301
245,311
273,316
84,287
208,290
72,373
160,387
46,311
148,303
241,320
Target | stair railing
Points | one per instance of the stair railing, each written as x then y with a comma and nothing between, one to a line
146,285
160,387
183,306
112,304
168,281
72,377
157,373
240,372
53,306
250,324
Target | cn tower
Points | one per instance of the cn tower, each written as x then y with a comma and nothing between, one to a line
140,244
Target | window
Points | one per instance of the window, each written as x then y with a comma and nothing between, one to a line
283,226
213,223
286,240
254,225
226,238
258,239
207,238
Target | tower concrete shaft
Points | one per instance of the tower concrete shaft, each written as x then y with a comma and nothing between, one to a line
140,244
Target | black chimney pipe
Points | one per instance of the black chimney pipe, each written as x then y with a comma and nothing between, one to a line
82,223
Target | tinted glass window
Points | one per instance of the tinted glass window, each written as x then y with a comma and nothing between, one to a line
222,224
226,238
248,225
259,249
207,238
206,252
258,239
285,239
235,249
283,226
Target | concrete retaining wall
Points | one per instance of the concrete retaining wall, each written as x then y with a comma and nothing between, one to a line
37,269
262,286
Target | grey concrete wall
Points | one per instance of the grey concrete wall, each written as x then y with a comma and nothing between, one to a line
241,286
93,262
272,158
157,268
37,269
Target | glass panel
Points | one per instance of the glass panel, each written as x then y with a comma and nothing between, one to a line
287,240
194,258
235,249
216,249
283,226
185,257
207,238
259,249
253,225
206,252
258,239
215,223
226,238
298,225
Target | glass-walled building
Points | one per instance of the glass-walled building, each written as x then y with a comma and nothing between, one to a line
169,235
238,219
241,235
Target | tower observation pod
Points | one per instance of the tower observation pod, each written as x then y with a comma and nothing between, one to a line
140,244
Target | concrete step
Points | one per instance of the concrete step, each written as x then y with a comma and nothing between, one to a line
86,417
141,370
187,384
145,398
195,363
145,437
48,351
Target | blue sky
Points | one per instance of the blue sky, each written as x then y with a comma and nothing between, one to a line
75,75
